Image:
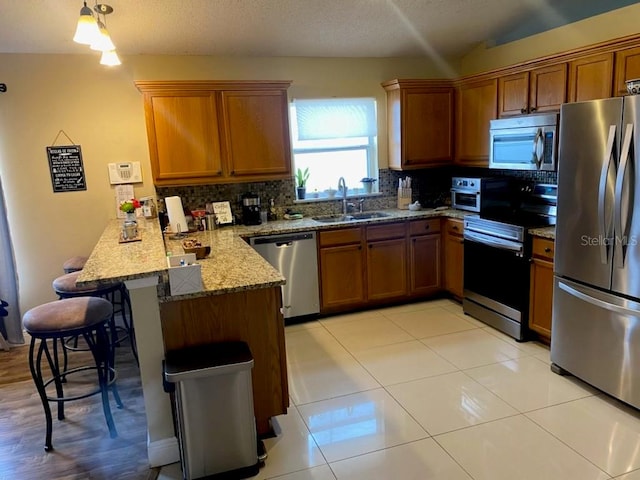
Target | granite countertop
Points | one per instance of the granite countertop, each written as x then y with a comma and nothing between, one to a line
545,232
232,264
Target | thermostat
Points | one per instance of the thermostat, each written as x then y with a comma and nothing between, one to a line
125,172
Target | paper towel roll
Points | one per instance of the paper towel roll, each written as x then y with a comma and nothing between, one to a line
176,214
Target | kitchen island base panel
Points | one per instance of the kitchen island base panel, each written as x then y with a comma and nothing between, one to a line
251,316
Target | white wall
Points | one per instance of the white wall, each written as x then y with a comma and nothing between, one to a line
100,109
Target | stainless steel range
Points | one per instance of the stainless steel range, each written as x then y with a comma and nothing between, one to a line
497,255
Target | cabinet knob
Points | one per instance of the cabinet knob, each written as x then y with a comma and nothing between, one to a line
233,172
523,110
370,246
455,227
426,227
547,250
533,109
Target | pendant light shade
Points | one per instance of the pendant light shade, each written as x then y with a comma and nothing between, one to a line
87,30
103,42
110,58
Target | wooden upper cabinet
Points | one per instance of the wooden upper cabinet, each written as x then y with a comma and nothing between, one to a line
256,126
476,104
183,135
538,90
513,94
419,123
202,132
590,78
627,68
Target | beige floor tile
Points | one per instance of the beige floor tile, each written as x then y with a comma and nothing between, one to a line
367,333
402,362
323,472
457,310
635,475
527,384
302,326
327,378
600,429
349,317
361,423
528,348
516,448
449,402
420,460
430,322
472,348
292,450
312,344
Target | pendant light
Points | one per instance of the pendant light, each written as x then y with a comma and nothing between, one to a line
110,58
92,30
87,28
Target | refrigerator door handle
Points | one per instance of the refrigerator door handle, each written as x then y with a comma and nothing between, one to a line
600,303
538,149
602,192
622,171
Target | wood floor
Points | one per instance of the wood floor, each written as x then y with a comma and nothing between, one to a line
81,442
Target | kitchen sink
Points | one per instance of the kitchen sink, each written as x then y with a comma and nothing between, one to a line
350,217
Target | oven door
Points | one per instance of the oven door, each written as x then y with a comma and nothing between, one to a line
496,283
465,199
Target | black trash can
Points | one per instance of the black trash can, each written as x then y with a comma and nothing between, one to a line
214,409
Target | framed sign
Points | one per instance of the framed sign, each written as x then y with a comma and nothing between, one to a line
65,166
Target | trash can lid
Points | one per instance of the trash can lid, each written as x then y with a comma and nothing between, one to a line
210,359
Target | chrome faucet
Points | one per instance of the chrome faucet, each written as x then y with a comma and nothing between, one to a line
342,185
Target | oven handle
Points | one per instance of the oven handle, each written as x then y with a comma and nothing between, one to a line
494,242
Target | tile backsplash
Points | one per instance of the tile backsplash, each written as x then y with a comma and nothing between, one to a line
429,186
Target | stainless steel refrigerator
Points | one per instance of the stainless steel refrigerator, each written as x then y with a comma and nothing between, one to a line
596,296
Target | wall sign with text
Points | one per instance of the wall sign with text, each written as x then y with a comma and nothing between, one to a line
67,171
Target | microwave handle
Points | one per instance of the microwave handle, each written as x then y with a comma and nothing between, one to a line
538,144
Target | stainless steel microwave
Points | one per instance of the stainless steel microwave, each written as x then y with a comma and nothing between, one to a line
529,142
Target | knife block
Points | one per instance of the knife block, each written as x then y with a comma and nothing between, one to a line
404,198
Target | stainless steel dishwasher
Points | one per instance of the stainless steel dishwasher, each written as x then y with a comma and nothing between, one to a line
294,255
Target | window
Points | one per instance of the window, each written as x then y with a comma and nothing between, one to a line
335,137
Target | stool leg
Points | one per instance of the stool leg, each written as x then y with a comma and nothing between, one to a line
54,365
128,323
36,373
101,350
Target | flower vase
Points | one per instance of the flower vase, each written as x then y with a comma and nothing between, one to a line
130,217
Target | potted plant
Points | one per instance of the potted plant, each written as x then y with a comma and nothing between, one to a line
301,182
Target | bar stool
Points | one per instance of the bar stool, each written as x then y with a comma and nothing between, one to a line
116,292
74,264
48,325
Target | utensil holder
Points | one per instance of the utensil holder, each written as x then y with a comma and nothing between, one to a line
404,198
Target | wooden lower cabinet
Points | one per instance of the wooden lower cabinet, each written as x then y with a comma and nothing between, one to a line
342,268
541,299
424,257
453,256
386,269
252,316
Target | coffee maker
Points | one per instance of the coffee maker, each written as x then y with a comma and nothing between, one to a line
251,209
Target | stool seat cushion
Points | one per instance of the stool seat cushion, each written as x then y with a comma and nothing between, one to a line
67,284
74,264
67,315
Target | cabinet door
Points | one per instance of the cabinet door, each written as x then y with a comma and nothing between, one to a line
424,264
627,68
513,94
184,143
591,78
427,127
386,269
541,297
453,257
342,276
256,132
547,88
476,105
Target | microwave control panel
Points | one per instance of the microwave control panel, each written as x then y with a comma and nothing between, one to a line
125,172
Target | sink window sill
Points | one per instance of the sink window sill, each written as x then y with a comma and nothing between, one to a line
323,197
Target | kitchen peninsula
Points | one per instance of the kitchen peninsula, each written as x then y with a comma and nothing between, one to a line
240,300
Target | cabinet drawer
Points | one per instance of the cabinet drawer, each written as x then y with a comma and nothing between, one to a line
341,236
421,227
454,227
386,231
543,248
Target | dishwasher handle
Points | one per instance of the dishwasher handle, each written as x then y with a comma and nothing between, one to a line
281,240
